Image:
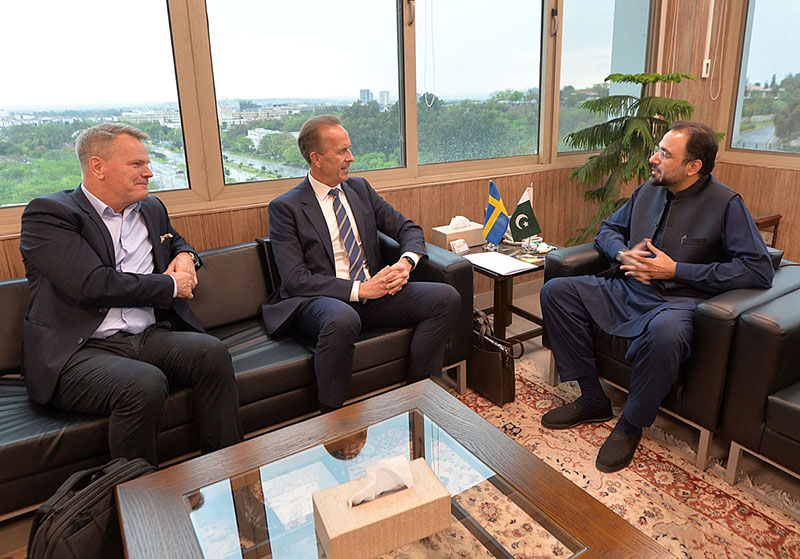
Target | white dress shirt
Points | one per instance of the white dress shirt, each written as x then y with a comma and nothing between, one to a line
340,258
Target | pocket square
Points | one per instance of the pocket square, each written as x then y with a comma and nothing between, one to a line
165,237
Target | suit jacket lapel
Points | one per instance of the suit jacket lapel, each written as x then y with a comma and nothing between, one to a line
151,220
314,215
83,203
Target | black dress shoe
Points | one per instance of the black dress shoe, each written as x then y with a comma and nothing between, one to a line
572,414
618,450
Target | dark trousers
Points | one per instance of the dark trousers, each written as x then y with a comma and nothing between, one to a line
128,377
335,325
655,355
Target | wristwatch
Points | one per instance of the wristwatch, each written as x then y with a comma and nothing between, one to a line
195,259
410,260
620,254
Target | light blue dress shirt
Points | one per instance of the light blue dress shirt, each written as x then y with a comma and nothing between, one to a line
133,252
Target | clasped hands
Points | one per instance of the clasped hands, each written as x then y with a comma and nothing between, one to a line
182,270
388,281
645,262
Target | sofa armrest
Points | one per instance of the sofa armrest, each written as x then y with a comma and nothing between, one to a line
764,360
775,256
581,260
715,324
445,267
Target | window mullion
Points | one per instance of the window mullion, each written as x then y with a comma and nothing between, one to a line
551,71
409,80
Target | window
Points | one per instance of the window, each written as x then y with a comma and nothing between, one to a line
768,103
62,78
274,68
477,79
249,73
599,37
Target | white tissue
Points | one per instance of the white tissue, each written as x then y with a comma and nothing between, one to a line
385,475
459,222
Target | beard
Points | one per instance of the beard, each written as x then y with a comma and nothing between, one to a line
661,179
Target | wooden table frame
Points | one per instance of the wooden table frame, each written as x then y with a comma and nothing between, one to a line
155,521
504,308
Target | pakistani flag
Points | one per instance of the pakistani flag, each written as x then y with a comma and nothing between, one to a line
523,221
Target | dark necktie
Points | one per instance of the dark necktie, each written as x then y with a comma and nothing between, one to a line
348,238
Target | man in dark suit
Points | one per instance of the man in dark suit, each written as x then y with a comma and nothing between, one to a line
108,329
324,235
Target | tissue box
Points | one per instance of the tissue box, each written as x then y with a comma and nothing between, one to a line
473,235
390,521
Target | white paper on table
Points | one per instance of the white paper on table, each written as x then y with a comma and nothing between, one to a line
499,263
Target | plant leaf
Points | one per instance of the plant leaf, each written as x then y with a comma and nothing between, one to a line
666,108
645,78
612,105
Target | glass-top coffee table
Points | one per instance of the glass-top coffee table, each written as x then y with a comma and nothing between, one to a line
254,499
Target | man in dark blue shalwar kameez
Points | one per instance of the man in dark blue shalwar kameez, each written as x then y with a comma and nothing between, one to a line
682,237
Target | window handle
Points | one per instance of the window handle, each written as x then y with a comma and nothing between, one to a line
410,11
553,21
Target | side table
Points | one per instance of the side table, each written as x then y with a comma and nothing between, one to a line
504,307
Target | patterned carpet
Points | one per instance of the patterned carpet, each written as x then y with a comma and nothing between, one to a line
690,513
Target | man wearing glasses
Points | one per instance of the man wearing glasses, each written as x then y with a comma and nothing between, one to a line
682,237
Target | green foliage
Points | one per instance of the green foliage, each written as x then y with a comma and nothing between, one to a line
787,121
23,181
504,125
627,136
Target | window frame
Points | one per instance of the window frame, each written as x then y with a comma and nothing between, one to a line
195,83
730,90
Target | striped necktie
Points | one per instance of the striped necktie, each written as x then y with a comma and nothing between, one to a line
348,238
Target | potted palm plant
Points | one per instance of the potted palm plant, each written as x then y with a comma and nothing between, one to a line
633,127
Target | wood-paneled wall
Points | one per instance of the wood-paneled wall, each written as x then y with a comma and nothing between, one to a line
557,200
766,191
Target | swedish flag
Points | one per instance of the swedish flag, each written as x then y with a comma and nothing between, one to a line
496,221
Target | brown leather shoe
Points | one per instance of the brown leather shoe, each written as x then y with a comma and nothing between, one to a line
571,415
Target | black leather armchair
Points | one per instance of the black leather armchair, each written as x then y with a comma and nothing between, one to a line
761,408
696,397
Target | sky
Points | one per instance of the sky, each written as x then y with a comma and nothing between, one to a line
775,41
275,49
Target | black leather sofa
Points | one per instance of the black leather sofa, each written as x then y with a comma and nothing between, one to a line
697,396
761,408
40,446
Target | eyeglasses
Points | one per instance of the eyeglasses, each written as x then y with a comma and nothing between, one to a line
661,153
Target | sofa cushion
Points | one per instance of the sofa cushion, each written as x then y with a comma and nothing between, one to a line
783,412
267,366
230,286
35,438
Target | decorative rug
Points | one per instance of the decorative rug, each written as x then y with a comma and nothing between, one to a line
689,512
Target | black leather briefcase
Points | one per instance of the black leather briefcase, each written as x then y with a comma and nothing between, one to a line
490,369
